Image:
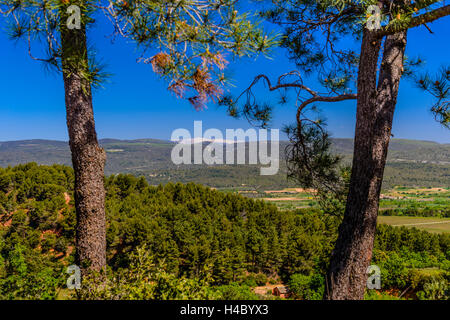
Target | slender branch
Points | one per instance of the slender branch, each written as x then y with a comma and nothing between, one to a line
316,97
428,28
280,85
341,97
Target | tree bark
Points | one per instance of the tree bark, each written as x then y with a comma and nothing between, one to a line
88,158
375,109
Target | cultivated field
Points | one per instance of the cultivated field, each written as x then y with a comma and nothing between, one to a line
436,225
400,199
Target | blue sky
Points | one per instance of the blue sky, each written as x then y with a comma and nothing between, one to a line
135,103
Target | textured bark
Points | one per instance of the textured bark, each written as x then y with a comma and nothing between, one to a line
88,158
375,109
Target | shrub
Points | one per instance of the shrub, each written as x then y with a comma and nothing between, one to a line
234,291
435,290
307,287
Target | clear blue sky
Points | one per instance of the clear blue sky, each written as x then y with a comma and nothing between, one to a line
135,103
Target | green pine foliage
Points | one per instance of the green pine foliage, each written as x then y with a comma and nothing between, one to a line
187,43
189,242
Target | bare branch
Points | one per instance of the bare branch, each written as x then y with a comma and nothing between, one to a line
338,98
428,28
280,85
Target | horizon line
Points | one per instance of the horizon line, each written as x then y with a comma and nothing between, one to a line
174,142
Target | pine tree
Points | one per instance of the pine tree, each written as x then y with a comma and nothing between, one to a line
184,41
314,31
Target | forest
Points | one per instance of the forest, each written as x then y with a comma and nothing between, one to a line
187,241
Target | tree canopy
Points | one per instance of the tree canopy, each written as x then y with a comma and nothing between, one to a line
189,43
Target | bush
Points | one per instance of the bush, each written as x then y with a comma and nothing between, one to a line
142,280
307,287
376,295
253,280
234,291
261,279
435,290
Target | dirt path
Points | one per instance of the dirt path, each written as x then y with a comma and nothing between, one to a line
262,290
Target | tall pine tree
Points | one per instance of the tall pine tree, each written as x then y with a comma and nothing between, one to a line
315,33
185,41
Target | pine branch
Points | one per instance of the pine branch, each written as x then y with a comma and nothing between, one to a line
341,97
415,21
315,96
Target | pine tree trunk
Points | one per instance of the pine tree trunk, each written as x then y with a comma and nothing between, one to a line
375,109
88,158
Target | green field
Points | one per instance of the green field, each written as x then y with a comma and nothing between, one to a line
402,197
435,225
395,198
404,200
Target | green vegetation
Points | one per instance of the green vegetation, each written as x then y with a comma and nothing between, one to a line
190,242
307,287
422,202
410,163
434,225
398,201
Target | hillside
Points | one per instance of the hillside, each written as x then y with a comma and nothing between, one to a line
410,162
189,242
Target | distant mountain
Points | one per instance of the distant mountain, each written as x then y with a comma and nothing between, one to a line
402,150
410,162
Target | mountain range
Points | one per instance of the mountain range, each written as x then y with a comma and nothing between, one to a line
410,162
